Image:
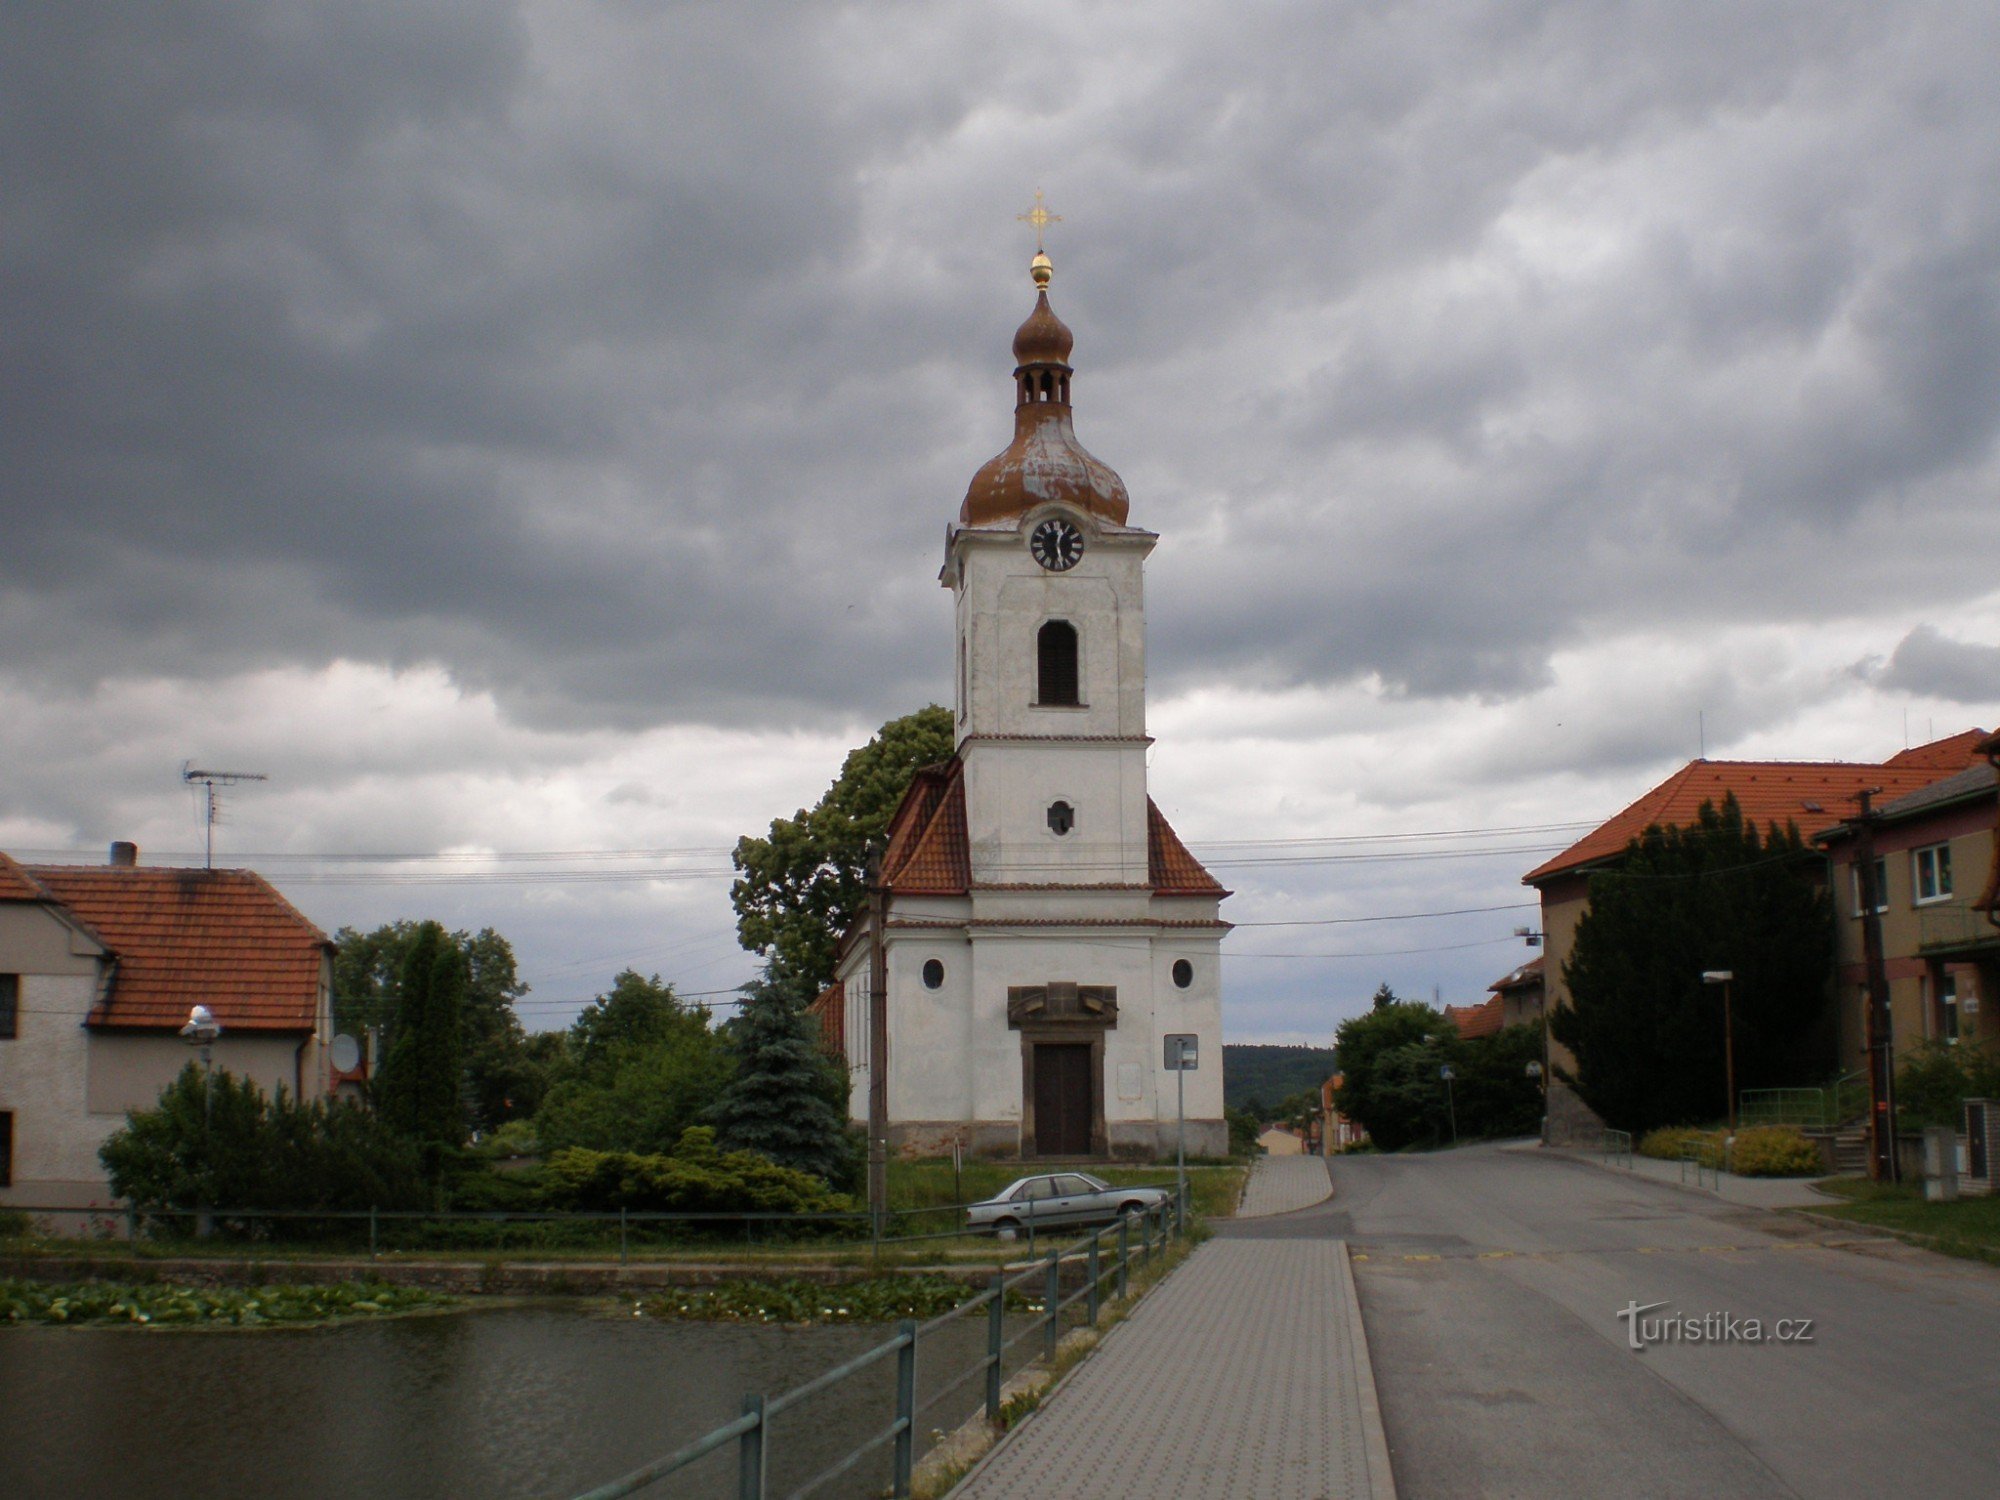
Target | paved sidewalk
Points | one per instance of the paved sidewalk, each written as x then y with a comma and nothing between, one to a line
1282,1184
1750,1192
1245,1374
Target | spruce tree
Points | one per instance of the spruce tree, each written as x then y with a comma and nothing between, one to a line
788,1099
420,1092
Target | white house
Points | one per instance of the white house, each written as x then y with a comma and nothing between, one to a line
1043,930
99,967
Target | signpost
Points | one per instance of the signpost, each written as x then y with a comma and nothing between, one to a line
1183,1056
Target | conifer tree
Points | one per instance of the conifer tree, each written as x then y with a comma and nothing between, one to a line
788,1099
420,1092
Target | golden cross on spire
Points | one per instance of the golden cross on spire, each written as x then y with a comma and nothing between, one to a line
1040,217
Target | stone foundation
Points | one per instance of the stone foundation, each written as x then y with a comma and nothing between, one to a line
1570,1122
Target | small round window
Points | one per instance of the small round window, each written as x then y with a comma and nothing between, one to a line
1062,818
1183,973
933,973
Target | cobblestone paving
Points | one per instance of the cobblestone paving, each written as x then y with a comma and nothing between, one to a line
1235,1378
1280,1184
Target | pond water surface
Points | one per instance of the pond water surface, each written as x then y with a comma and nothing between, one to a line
545,1400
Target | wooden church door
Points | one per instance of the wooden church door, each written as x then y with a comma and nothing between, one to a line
1062,1098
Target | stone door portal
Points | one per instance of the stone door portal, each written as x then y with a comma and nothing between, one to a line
1062,1098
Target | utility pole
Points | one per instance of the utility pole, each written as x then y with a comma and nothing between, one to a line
1882,1164
878,1046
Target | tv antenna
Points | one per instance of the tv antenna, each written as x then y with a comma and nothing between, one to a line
193,775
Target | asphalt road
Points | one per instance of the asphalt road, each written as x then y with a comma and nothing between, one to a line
1491,1280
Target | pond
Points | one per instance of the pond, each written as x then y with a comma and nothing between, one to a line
545,1400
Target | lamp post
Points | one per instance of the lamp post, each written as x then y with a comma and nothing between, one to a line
1452,1109
201,1031
1727,979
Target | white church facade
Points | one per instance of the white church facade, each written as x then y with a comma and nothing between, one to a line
1042,929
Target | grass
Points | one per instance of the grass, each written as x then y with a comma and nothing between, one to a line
1969,1227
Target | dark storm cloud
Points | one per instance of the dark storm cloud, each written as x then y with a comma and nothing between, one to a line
1929,663
629,360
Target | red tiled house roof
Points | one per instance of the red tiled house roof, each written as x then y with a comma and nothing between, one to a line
16,884
830,1011
1813,794
1527,977
1170,869
180,938
1472,1021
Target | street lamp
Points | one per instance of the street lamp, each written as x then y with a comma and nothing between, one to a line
1447,1075
201,1031
1727,979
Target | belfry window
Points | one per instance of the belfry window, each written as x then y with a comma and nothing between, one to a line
1062,818
1055,665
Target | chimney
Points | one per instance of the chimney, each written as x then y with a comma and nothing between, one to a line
124,855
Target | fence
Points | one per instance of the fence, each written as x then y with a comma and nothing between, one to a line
1616,1145
750,1433
1812,1109
446,1229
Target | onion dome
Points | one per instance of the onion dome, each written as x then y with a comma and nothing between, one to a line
1045,462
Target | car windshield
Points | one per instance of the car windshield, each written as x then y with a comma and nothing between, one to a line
1097,1184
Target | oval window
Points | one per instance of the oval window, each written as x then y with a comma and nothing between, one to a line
1062,818
933,973
1183,973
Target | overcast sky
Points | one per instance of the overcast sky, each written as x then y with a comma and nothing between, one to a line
521,429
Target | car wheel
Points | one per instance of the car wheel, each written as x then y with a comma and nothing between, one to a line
1131,1210
1006,1229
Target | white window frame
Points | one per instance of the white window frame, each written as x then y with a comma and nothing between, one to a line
1881,885
1930,867
1951,1024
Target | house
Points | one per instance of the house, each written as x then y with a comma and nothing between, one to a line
1934,849
1520,993
1338,1132
1039,933
99,968
1814,795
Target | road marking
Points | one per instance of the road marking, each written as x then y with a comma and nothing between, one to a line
1496,1255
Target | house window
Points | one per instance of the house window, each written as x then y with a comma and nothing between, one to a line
933,973
1055,665
1930,873
1947,1007
1881,886
10,1007
1062,818
6,1148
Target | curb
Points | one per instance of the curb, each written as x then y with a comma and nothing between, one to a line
1374,1439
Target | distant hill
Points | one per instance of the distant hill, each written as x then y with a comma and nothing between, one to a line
1271,1073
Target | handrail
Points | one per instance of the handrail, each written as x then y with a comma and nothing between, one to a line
751,1430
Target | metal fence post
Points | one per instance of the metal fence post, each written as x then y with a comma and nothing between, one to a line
750,1453
371,1231
1031,1229
1096,1278
996,1335
1052,1297
621,1235
1124,1251
906,1409
1146,1236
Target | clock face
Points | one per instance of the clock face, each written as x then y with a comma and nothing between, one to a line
1056,545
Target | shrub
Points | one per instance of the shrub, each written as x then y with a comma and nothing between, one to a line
1774,1151
1672,1142
696,1178
1936,1080
14,1224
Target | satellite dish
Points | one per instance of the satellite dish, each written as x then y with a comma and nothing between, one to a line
346,1054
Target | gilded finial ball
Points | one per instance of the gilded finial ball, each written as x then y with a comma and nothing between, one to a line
1042,269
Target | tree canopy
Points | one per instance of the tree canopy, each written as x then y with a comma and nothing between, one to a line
798,887
419,1090
788,1100
1390,1057
1646,1032
640,1066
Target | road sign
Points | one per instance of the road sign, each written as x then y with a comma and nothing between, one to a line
1182,1052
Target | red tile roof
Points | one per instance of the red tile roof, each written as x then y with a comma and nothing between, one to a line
1477,1020
1813,794
928,853
1527,977
1171,869
830,1010
181,938
16,884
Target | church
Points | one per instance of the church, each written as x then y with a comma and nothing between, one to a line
1037,928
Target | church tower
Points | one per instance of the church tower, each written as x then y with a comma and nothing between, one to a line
1042,930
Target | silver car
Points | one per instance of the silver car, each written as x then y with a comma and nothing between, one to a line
1058,1200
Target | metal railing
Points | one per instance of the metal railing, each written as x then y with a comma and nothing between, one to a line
394,1229
1807,1107
1704,1157
1616,1145
750,1433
